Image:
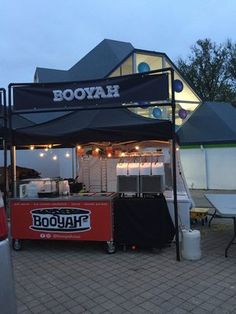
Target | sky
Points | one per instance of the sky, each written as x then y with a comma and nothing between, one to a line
58,33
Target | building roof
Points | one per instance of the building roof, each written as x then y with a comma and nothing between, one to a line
97,64
50,75
211,123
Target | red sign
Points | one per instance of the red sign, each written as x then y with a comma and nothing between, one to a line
61,220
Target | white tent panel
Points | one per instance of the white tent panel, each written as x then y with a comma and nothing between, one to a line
221,168
193,163
210,168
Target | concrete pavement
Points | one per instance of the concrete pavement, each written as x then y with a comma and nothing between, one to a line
74,277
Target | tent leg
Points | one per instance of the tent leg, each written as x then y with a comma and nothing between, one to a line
6,187
76,162
175,202
13,170
174,167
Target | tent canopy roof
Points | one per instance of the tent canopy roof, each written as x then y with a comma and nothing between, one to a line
211,123
84,126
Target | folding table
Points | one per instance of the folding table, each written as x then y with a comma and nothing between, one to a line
225,207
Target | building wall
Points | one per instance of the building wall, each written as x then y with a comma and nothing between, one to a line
210,168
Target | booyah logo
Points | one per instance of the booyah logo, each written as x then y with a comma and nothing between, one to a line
60,219
93,92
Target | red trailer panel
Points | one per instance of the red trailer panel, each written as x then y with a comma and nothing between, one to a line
60,219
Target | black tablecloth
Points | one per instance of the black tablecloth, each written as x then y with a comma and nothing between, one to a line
144,222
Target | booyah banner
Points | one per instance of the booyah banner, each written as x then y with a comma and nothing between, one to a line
58,220
109,92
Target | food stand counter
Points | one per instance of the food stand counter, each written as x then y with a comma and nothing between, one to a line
81,217
143,222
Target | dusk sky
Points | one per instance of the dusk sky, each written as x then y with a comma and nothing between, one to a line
58,33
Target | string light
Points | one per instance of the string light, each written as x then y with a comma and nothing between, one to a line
109,155
78,147
50,146
54,157
31,147
97,150
67,155
46,149
122,154
137,147
41,155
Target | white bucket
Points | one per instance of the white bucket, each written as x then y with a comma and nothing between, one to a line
191,247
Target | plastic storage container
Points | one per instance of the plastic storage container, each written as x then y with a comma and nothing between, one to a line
191,246
64,188
32,190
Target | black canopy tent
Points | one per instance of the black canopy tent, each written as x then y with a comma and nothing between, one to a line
217,121
112,122
110,125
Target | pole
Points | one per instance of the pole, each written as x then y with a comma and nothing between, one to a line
12,147
13,169
72,163
76,162
174,167
4,144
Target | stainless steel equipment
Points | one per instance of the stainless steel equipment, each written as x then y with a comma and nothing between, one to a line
128,184
152,184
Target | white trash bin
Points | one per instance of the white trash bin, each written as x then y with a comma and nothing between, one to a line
191,244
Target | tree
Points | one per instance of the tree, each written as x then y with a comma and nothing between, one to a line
211,69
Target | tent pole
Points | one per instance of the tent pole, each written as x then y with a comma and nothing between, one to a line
12,147
174,168
13,169
5,172
76,161
72,163
4,144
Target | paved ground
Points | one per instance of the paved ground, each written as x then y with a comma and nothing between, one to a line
73,277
